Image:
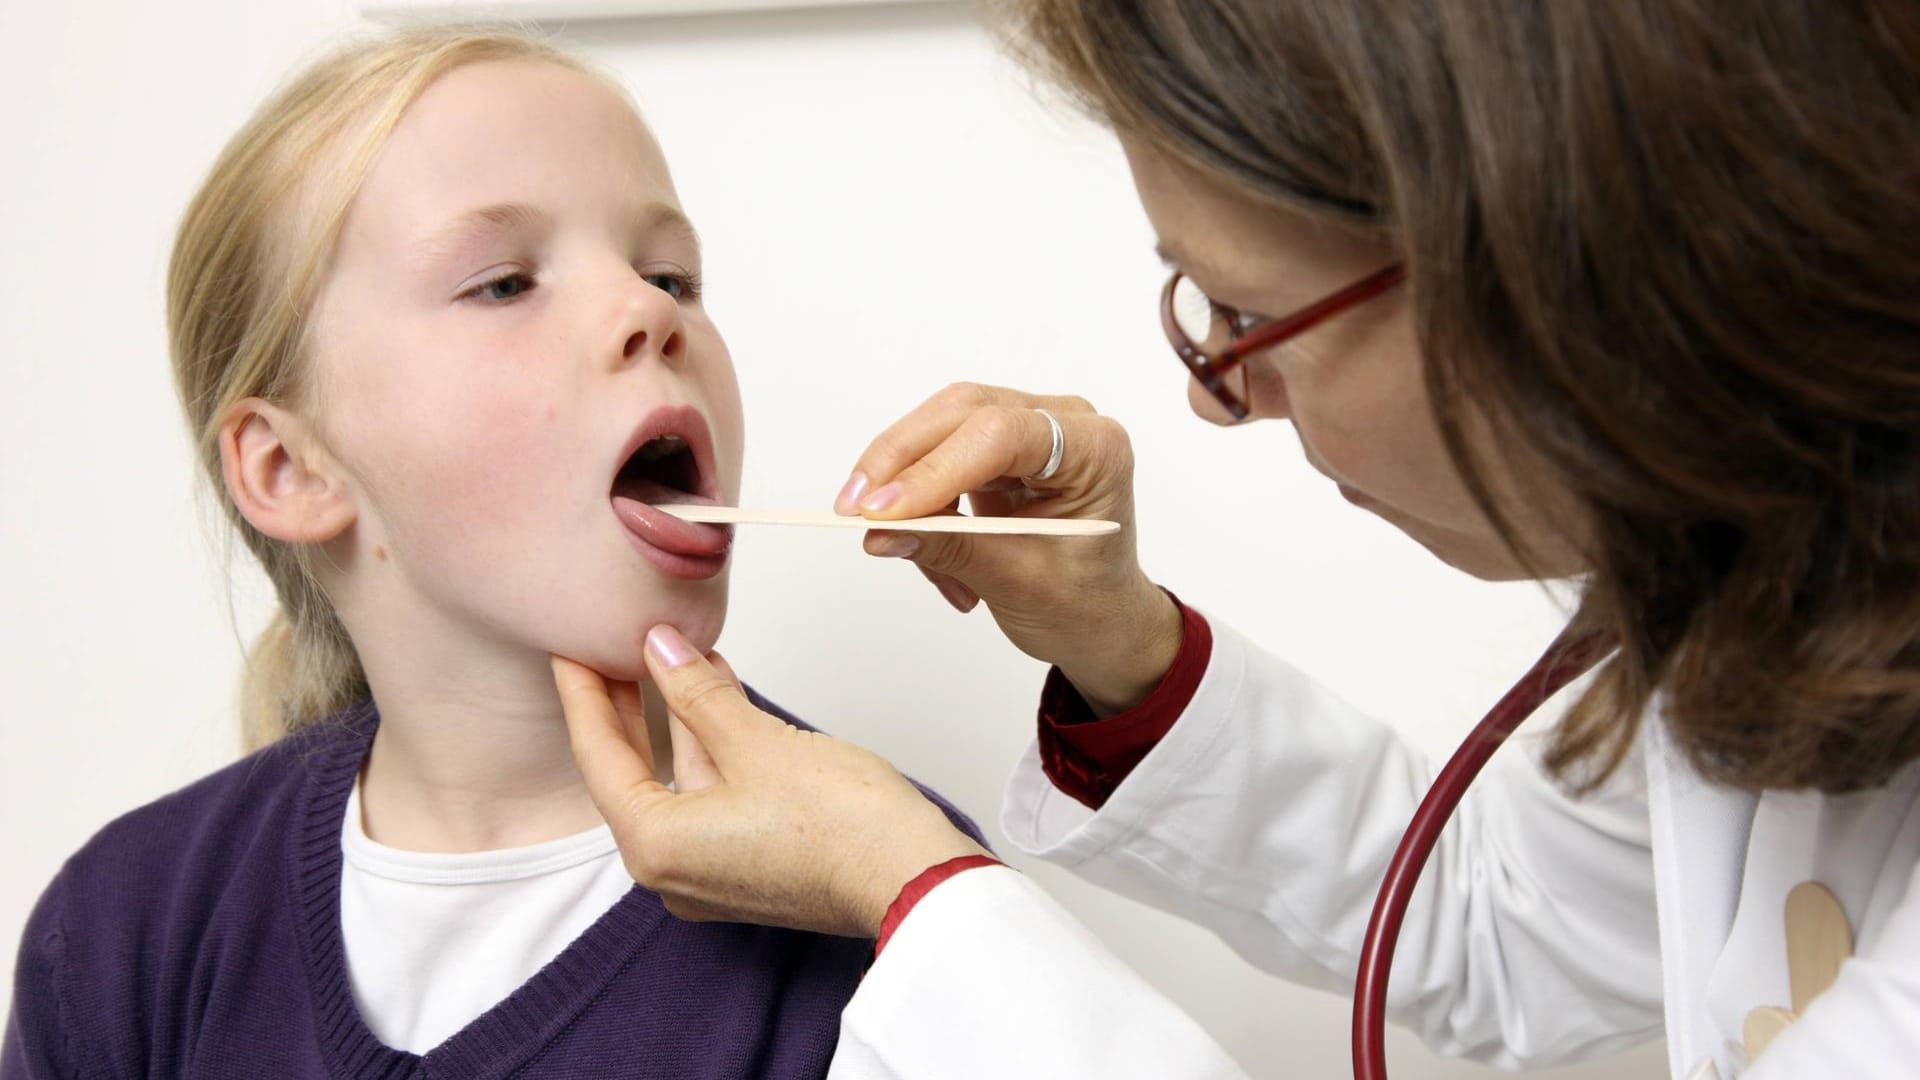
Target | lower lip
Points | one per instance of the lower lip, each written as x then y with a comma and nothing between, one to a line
678,549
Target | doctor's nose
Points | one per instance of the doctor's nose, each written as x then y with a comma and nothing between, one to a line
1208,408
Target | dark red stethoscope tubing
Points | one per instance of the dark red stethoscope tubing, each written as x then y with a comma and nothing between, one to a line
1571,655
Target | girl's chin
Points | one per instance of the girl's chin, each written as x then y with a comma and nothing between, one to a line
622,657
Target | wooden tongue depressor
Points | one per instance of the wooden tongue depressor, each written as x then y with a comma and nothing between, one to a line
950,523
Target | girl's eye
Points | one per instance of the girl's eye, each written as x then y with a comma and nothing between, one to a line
678,286
503,288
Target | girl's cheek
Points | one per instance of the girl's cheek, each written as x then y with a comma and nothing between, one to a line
480,454
727,414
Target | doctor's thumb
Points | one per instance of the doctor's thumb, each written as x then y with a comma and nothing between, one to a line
703,695
940,556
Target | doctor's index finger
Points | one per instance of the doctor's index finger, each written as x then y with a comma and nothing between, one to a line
632,711
612,766
965,438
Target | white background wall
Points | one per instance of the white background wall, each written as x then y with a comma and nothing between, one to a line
886,207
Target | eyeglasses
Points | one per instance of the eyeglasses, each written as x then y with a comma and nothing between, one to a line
1190,316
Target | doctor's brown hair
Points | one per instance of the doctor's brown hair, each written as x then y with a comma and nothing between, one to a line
1672,247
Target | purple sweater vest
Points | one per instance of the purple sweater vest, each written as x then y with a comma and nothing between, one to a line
199,938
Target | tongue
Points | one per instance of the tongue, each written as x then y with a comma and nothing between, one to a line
634,505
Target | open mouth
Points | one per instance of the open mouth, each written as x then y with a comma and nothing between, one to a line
662,470
669,460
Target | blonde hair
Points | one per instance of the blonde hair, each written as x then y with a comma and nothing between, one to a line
251,253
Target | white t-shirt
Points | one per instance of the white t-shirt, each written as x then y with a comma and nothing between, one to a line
434,940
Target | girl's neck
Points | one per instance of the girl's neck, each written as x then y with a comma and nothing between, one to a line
477,766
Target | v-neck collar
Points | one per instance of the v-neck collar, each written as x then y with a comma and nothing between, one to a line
502,1039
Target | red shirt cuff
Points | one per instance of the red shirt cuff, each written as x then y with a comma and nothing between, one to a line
919,887
1088,757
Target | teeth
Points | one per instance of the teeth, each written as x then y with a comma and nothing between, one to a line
656,449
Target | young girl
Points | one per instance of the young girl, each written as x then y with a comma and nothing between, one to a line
436,321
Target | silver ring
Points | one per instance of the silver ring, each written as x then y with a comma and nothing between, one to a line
1053,456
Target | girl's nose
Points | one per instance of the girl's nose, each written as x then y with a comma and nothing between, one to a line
648,322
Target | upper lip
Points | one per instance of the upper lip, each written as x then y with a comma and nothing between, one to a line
686,422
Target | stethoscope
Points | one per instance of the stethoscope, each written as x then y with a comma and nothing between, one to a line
1571,655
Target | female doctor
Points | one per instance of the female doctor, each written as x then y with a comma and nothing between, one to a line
1627,292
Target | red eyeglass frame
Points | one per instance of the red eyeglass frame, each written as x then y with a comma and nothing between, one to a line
1212,368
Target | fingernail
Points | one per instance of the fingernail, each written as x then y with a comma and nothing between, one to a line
961,597
896,546
882,499
670,646
848,501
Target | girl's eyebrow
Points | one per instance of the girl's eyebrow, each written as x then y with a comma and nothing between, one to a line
662,218
474,223
464,228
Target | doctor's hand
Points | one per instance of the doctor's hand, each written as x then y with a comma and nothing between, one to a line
769,824
1081,603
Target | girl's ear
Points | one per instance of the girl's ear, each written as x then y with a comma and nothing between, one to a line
284,485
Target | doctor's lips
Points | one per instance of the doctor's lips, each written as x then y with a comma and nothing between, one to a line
669,459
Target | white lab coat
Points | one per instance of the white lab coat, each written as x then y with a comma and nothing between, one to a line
1545,929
